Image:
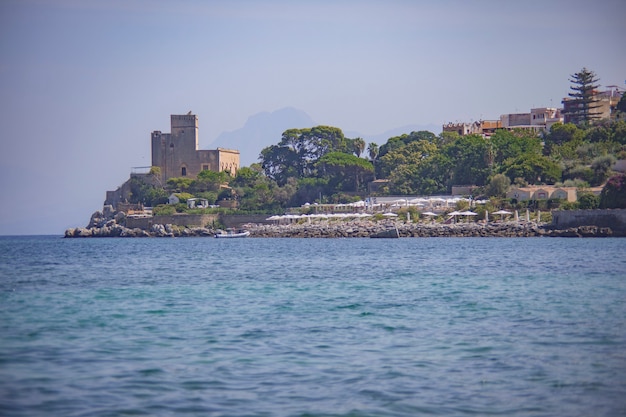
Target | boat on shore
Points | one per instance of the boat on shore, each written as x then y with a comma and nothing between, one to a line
231,233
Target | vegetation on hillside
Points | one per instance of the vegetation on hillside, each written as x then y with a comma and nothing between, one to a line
320,164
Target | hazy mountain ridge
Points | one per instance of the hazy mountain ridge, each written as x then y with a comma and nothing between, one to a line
266,128
262,130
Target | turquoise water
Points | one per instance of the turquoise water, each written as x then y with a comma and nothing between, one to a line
318,327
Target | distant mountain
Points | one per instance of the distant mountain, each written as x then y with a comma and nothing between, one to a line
260,131
266,128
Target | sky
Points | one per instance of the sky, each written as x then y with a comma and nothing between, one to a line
84,82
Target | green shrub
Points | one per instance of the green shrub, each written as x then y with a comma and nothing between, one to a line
587,200
163,210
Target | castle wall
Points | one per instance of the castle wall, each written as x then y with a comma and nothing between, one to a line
228,160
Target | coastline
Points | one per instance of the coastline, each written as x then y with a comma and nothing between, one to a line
354,229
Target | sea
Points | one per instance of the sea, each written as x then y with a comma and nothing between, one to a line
312,327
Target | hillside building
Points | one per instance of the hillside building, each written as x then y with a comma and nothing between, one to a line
606,102
481,127
539,119
177,153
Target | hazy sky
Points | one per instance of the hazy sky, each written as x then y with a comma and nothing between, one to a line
84,82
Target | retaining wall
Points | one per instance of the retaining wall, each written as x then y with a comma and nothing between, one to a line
196,220
613,218
236,220
190,220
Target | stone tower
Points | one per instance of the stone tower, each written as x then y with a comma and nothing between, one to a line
177,153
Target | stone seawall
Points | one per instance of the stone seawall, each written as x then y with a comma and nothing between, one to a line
185,220
237,220
612,218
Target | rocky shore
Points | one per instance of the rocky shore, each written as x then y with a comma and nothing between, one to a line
393,229
112,225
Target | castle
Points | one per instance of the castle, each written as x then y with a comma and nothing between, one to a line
176,154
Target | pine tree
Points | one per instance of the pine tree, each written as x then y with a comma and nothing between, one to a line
580,108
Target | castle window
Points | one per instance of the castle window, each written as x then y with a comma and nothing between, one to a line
205,167
183,171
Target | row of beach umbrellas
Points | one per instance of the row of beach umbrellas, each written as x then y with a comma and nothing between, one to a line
361,215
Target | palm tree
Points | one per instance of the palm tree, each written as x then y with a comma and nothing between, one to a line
372,150
358,146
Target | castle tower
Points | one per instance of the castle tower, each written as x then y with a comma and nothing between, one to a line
185,131
177,153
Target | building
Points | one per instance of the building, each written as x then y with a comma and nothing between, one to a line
545,117
481,127
515,120
177,153
604,106
548,192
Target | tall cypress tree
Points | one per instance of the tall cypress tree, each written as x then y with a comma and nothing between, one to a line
581,107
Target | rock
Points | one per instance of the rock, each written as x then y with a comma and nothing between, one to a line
96,218
386,234
119,217
108,211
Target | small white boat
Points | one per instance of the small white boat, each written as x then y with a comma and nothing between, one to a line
230,233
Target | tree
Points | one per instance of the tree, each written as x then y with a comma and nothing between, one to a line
299,150
614,192
146,194
309,190
498,186
372,152
180,184
208,180
413,153
601,167
506,144
581,108
397,142
621,105
587,201
342,168
470,156
246,177
534,169
358,146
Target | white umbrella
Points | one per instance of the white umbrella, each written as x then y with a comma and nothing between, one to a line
454,214
468,213
390,215
502,213
429,213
